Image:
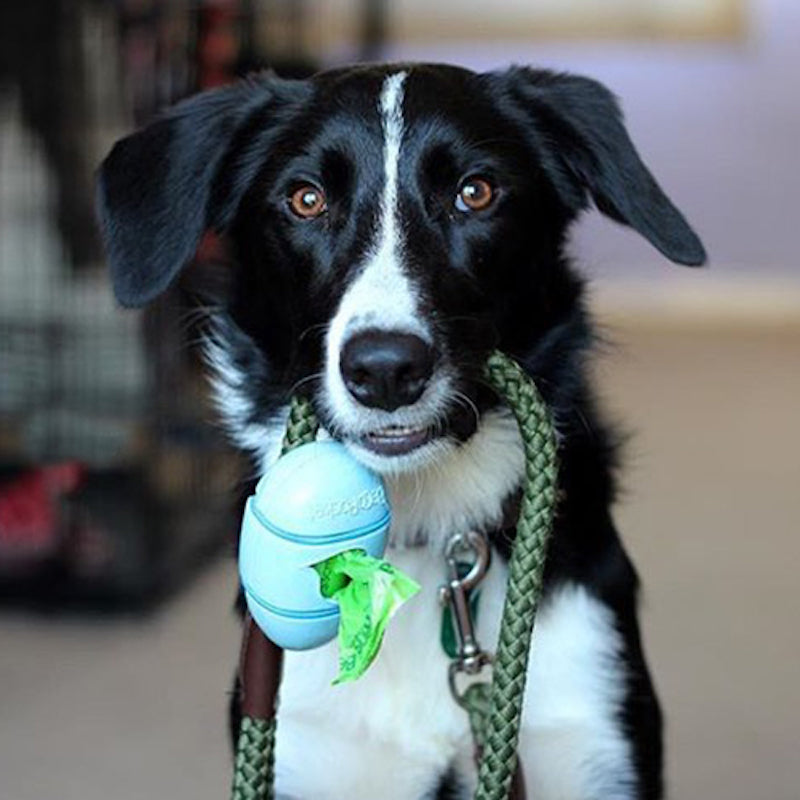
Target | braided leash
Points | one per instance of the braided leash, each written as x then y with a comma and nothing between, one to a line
254,767
497,728
526,568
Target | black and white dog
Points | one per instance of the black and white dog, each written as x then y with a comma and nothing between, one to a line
391,226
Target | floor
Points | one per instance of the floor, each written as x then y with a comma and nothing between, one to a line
711,513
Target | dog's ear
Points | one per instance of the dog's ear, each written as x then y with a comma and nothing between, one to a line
162,187
579,134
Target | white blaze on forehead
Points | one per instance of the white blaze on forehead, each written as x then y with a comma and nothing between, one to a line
392,118
382,295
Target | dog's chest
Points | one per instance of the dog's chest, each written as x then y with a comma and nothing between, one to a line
395,732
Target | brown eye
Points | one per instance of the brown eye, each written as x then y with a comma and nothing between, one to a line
308,201
475,195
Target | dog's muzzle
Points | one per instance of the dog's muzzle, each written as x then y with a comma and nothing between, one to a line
388,370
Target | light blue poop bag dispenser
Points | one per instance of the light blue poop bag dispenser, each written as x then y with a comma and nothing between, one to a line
314,502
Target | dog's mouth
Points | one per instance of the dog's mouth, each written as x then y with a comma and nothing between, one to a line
396,440
407,437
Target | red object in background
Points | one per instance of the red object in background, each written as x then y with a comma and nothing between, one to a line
218,43
30,512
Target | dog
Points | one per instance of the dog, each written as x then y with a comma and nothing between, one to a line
391,226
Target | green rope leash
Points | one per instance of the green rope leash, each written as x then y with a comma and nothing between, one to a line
254,766
526,568
495,723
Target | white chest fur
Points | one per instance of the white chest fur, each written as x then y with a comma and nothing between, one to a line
394,733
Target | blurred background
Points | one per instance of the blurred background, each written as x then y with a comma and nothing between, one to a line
117,492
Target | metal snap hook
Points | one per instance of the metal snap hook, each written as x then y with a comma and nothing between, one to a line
471,540
471,658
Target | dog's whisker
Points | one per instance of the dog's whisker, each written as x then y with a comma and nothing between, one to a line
467,403
418,487
320,326
316,376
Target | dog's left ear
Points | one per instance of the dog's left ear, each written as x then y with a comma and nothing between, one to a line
580,136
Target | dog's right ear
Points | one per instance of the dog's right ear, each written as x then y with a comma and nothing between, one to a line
577,128
162,187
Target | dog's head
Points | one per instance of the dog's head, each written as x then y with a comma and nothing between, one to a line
391,226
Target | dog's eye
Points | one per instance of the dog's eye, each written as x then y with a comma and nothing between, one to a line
475,194
308,201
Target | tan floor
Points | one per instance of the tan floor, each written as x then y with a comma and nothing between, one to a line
712,517
135,710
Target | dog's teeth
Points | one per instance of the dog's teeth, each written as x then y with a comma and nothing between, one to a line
396,430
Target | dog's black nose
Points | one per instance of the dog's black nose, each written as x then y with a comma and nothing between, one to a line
386,370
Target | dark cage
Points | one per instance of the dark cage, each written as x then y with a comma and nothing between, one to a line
113,484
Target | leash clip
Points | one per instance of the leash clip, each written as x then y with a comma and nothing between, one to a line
470,658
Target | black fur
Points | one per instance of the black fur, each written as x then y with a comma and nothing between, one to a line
228,160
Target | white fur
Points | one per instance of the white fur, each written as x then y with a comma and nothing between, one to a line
229,386
463,489
392,734
396,732
382,297
571,743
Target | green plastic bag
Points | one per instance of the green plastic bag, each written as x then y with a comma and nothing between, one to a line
368,591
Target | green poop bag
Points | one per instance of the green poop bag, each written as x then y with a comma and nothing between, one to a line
368,591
